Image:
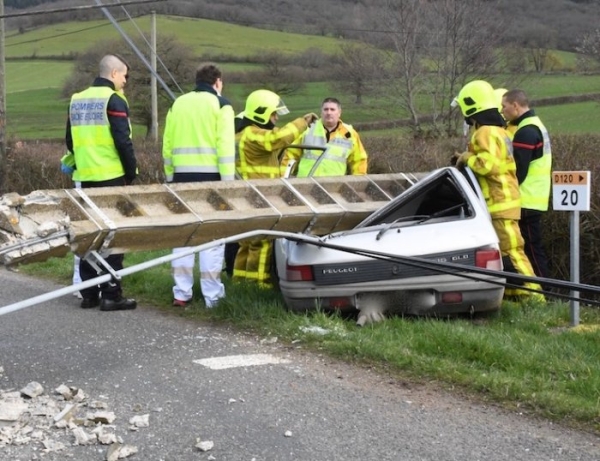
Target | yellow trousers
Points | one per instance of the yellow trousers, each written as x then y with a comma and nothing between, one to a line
512,247
253,262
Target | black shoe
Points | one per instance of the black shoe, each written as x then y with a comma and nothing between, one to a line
88,303
119,304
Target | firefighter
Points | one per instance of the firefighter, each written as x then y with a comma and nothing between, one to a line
99,137
199,145
344,152
533,156
258,142
489,155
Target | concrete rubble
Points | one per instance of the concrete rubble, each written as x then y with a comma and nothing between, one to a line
52,422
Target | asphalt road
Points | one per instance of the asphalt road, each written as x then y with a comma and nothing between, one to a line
305,408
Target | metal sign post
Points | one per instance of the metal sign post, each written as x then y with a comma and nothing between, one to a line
571,192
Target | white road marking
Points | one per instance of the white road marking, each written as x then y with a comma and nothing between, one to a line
233,361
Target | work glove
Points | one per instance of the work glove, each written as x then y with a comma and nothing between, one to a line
66,169
311,118
458,160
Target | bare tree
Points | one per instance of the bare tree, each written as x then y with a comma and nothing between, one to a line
437,47
358,67
539,41
279,74
589,49
402,22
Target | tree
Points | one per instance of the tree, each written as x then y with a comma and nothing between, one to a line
175,56
589,48
357,69
436,48
539,41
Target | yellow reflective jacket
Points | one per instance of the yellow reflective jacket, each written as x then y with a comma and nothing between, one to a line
199,135
258,149
96,156
344,152
490,157
535,190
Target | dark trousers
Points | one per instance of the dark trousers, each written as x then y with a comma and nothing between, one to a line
112,289
531,230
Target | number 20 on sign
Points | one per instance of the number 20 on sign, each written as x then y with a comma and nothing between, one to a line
571,190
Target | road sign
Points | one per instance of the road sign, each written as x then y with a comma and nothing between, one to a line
571,190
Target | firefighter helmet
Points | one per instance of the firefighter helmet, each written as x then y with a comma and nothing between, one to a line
261,104
500,92
475,97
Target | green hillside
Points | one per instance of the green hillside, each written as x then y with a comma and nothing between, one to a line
203,36
36,109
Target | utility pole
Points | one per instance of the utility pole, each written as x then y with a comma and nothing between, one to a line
153,89
2,102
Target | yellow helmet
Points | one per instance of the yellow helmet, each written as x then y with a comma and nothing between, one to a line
475,97
261,104
499,92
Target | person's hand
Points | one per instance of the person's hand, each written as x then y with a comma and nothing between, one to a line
66,169
311,118
456,159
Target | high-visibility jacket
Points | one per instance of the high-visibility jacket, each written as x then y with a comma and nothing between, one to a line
490,157
96,156
535,189
344,152
199,135
258,148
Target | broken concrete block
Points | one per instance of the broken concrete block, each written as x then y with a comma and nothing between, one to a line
32,390
140,421
102,417
82,437
66,414
65,391
204,445
12,409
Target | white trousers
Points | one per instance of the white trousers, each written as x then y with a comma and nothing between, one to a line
211,266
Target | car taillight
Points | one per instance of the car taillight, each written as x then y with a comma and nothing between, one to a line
488,259
299,273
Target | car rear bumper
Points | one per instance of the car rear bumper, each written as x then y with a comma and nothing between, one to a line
441,294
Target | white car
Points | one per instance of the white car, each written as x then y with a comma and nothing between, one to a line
441,218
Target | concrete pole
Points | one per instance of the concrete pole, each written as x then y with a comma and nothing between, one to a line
153,89
2,104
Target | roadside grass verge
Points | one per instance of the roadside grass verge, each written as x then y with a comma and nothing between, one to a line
526,357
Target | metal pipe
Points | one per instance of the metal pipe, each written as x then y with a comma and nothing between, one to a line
409,260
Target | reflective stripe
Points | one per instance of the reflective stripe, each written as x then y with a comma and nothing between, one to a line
331,162
195,169
194,150
535,190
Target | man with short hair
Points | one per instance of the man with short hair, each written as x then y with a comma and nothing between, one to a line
199,145
99,136
533,156
342,150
